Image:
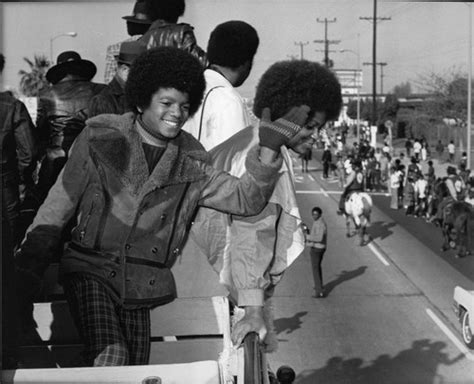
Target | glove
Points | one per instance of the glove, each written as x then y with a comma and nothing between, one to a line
274,134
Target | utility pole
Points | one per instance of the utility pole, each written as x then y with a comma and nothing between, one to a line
326,42
374,19
381,74
301,44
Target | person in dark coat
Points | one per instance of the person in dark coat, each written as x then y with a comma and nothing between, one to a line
327,160
112,98
62,112
19,149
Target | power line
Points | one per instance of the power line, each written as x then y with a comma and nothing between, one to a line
326,42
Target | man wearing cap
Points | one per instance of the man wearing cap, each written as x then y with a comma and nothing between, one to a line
137,24
112,98
62,111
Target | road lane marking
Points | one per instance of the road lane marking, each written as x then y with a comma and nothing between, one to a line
460,345
311,177
324,192
378,254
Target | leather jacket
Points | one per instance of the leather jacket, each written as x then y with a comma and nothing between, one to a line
110,100
63,110
164,34
17,140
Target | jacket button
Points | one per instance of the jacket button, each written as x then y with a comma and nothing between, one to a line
176,251
127,246
163,216
112,274
154,249
152,282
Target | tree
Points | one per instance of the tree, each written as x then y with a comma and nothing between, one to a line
402,90
34,80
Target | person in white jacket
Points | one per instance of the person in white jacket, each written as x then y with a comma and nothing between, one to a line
251,254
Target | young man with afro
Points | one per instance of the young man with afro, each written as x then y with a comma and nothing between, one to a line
133,183
253,253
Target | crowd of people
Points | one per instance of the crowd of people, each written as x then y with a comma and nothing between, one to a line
111,176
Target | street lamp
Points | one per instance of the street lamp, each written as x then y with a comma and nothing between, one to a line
70,34
357,87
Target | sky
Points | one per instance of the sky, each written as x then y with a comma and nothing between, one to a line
416,39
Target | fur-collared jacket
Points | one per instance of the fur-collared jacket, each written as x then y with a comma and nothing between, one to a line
131,225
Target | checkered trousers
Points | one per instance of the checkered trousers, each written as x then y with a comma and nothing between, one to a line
112,335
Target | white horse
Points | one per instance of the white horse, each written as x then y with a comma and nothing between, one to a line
358,208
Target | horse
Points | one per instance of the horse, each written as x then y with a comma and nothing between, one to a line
458,228
358,207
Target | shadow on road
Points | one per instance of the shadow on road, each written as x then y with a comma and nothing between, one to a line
380,229
415,365
344,276
289,324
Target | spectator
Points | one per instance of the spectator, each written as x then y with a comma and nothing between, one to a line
327,160
439,149
424,151
417,149
409,199
451,151
456,188
317,241
62,112
19,156
395,178
384,169
431,177
165,31
137,24
340,170
231,48
117,265
112,98
408,146
401,187
463,161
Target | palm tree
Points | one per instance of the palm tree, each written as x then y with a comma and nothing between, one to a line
34,80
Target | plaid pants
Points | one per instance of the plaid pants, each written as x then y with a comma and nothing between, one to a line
112,335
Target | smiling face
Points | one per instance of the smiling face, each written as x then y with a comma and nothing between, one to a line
303,139
167,112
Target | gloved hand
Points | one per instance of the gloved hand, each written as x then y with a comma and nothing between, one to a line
274,134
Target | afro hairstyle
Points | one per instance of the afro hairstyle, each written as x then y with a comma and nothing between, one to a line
169,10
165,67
232,43
293,83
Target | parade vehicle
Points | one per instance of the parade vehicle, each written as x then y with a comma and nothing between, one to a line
464,309
190,342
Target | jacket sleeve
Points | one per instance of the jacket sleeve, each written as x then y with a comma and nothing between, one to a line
26,142
245,196
189,44
43,237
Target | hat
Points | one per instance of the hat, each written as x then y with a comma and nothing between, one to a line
129,51
70,62
139,14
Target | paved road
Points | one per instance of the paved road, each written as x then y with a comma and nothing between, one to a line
388,317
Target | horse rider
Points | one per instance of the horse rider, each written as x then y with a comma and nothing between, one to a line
456,186
354,182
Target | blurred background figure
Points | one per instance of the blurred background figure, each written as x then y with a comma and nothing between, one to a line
317,240
112,98
165,31
62,112
19,157
137,24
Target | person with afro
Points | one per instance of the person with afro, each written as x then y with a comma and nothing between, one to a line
230,51
133,183
165,31
252,253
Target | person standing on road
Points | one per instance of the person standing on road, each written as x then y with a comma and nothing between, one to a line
317,241
327,160
451,151
439,150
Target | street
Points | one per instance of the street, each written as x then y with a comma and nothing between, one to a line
388,317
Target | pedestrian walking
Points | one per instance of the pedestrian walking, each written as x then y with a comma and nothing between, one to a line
327,160
317,240
417,149
394,186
